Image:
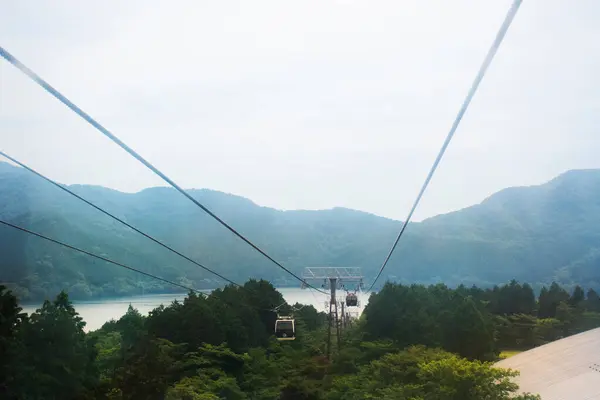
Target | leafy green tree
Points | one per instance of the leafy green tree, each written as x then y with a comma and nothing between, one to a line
548,330
305,379
58,357
11,320
433,316
549,300
347,361
108,346
189,389
309,315
241,317
517,331
468,329
513,298
192,322
567,315
263,297
453,378
262,377
545,304
527,301
587,320
578,297
212,370
220,347
131,327
422,373
373,350
148,369
221,357
210,384
592,301
404,314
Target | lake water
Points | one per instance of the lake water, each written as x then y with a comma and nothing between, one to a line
96,312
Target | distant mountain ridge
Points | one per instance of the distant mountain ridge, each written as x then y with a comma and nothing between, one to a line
534,234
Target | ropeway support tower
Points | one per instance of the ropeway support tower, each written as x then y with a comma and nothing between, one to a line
334,278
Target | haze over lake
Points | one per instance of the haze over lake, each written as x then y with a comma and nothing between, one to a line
96,312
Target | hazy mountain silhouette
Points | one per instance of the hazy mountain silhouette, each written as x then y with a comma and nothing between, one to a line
534,234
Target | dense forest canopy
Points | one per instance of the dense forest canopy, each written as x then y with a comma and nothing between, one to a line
536,234
412,342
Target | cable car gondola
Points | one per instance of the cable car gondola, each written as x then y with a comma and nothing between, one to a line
351,300
285,328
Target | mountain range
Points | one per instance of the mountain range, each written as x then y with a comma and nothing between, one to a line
535,234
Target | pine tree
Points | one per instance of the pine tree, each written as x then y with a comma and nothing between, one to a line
545,304
593,301
577,297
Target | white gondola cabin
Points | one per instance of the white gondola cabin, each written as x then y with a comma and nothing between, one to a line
285,328
351,300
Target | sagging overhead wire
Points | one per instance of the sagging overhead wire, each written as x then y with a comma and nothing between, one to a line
64,188
480,74
100,257
60,97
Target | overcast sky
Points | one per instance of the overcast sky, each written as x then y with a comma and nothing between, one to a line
305,104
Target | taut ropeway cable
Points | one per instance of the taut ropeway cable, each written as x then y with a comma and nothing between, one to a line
69,191
59,96
39,235
482,70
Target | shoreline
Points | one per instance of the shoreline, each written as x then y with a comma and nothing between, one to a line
96,312
87,300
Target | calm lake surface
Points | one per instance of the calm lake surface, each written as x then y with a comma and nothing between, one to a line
96,312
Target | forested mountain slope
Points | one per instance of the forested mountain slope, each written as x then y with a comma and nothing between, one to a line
533,234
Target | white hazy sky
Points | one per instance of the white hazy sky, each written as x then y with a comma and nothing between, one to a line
305,104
